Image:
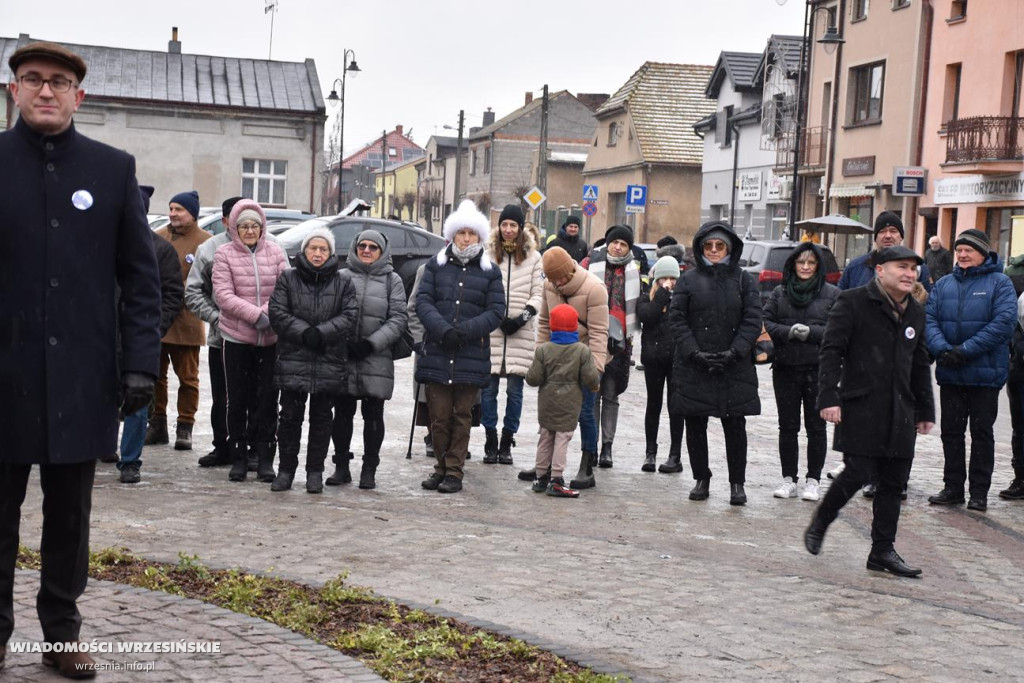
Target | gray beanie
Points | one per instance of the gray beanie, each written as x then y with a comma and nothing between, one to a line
370,236
719,234
322,233
666,266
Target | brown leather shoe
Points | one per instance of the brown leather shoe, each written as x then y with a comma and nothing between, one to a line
71,664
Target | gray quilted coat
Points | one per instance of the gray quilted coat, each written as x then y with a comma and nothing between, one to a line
382,317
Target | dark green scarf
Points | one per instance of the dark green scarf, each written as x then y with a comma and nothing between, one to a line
802,292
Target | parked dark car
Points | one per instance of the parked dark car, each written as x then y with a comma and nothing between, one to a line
764,260
411,245
278,220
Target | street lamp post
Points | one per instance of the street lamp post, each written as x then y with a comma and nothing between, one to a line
346,66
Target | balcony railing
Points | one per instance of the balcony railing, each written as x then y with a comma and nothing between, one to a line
813,143
984,138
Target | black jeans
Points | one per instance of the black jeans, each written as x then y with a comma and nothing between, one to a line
797,386
373,425
1015,393
289,432
219,392
979,405
252,398
657,376
735,428
891,474
67,505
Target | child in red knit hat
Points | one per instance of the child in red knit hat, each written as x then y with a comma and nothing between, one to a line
561,367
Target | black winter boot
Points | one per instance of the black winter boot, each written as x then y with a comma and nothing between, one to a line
239,461
265,452
1015,491
737,496
672,465
505,447
183,437
585,477
605,459
283,480
156,431
700,489
528,475
650,459
218,457
252,460
342,473
314,482
366,475
491,446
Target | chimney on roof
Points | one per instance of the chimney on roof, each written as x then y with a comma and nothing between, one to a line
488,117
173,46
398,129
529,97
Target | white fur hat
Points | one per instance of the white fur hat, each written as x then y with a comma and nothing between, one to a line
467,216
324,234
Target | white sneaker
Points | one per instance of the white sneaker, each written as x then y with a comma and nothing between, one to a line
811,490
787,489
836,471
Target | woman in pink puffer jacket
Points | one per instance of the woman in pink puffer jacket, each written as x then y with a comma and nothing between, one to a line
245,271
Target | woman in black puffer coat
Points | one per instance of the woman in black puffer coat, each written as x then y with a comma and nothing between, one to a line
715,318
656,350
380,321
795,317
460,301
313,310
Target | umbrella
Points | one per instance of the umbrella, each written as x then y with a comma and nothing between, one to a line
836,223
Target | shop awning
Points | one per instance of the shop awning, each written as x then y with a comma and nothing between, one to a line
852,190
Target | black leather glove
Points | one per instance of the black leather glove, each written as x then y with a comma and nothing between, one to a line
358,350
729,357
702,359
312,339
136,392
954,358
453,340
262,323
715,362
513,325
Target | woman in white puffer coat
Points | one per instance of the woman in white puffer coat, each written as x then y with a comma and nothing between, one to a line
514,250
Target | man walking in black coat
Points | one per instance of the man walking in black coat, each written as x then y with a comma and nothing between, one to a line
60,384
875,385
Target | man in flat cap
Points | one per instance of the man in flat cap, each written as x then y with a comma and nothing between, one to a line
875,386
60,383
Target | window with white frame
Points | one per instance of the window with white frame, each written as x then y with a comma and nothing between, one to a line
263,180
859,10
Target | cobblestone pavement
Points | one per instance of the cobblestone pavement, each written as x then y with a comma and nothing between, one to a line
632,576
250,648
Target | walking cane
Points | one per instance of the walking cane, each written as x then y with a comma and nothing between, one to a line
415,409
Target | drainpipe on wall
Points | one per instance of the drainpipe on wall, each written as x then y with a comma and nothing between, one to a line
312,171
647,184
911,204
735,168
834,119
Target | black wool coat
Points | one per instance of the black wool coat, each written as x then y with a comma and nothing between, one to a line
715,308
780,314
306,297
875,368
467,297
74,231
172,289
656,342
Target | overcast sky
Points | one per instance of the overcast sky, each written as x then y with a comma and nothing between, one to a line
424,60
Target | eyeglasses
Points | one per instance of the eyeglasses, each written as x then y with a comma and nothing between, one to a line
715,245
58,84
807,263
367,246
249,227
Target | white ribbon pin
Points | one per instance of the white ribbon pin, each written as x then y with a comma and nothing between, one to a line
82,200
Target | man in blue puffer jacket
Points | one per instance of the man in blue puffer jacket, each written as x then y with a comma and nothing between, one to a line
970,318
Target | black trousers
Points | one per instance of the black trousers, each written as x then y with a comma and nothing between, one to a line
219,392
1015,393
735,428
289,431
250,380
979,405
373,425
64,548
657,376
797,386
891,475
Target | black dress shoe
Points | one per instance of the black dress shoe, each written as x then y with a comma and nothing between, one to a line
947,496
979,504
737,496
814,535
890,561
869,491
1015,491
700,490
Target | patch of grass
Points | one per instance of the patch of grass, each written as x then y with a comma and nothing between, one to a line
398,643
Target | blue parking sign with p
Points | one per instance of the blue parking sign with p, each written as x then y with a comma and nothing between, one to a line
636,195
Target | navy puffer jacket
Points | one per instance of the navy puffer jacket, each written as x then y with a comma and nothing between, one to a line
976,310
467,297
307,297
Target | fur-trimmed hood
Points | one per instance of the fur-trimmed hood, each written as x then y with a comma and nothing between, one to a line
493,244
466,216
